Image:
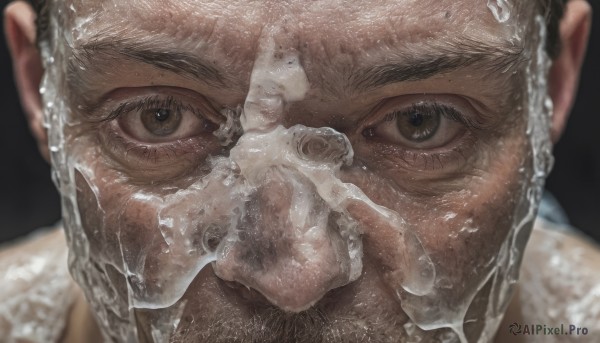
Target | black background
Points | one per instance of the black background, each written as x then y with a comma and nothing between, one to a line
28,199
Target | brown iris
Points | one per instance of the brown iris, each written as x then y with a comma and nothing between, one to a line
161,121
416,125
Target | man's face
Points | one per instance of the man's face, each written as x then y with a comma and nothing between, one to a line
405,220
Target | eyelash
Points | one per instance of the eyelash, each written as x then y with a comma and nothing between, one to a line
428,158
151,102
447,112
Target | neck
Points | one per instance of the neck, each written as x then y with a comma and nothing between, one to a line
81,326
513,315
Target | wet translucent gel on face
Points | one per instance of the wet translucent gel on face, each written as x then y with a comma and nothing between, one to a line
220,218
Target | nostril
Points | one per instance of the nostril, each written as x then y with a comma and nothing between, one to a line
213,235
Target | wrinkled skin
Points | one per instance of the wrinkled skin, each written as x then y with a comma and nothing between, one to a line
459,191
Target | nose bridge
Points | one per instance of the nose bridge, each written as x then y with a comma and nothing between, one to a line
277,79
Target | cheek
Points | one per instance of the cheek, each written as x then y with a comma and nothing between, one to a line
468,227
122,230
155,236
462,230
465,232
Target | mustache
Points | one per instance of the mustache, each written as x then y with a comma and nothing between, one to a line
267,324
270,324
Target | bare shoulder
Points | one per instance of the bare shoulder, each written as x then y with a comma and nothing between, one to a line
560,283
36,290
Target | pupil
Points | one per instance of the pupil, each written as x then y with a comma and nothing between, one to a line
416,119
418,125
161,121
162,114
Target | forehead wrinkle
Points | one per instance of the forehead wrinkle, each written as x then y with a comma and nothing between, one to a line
181,25
406,34
365,27
239,23
196,27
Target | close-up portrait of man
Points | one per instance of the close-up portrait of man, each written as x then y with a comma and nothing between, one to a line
299,171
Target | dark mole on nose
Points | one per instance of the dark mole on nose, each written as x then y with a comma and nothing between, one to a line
259,252
448,15
261,235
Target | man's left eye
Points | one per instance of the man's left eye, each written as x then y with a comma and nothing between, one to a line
419,126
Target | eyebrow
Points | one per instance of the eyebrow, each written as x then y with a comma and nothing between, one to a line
423,62
438,59
180,63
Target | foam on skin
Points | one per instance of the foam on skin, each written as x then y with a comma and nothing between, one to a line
35,289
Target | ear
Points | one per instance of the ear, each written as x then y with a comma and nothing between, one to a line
20,29
564,73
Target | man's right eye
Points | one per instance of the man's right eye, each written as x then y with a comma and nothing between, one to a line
160,121
146,134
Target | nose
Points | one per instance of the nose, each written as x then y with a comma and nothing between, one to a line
289,246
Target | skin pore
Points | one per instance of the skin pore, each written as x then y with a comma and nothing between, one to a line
458,188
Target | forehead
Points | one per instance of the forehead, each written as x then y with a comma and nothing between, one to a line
236,26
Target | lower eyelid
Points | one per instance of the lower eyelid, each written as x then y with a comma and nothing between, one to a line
134,155
191,125
447,159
